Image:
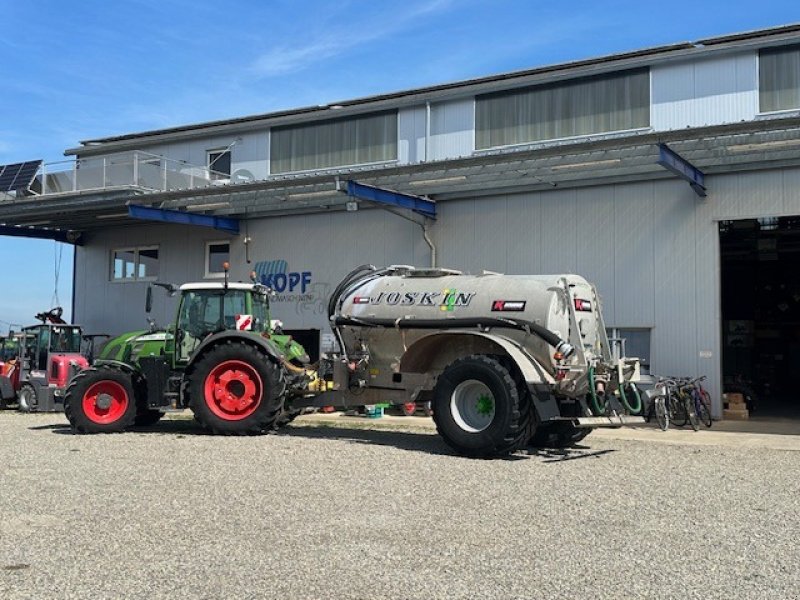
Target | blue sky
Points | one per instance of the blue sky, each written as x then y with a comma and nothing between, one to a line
77,70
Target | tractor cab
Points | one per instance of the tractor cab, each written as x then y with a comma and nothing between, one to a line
50,355
208,308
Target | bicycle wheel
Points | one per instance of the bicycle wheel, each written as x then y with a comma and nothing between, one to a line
691,415
677,411
704,408
661,412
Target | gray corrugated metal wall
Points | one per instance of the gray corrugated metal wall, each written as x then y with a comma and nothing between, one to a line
452,129
411,127
713,91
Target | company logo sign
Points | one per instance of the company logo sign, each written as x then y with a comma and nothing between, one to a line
446,300
294,288
275,274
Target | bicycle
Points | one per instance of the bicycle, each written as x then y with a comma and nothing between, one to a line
702,401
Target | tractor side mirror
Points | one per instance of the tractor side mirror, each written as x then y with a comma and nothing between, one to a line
148,302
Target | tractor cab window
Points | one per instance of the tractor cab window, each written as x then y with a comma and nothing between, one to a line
42,347
65,339
260,313
204,312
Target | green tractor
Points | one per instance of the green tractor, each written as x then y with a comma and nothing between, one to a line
222,358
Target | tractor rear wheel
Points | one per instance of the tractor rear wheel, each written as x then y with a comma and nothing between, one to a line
100,400
235,389
480,410
26,398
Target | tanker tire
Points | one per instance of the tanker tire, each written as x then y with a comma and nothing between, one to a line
147,418
512,423
558,435
88,381
26,398
264,417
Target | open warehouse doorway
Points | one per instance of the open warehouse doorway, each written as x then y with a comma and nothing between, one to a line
760,288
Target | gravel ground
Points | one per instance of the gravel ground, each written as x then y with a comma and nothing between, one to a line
335,513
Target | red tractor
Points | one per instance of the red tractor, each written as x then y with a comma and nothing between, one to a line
49,356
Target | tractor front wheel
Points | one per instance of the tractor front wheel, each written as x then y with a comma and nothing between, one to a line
100,400
235,389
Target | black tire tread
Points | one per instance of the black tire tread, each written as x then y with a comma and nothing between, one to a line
266,421
79,381
523,421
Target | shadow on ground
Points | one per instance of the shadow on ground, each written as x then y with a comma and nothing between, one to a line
426,443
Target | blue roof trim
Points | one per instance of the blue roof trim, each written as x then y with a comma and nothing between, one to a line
419,205
66,237
674,162
165,215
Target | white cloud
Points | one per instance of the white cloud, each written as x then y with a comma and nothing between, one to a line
287,58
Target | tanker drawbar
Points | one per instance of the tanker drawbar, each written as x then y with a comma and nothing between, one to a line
504,360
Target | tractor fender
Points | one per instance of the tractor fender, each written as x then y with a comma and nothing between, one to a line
434,352
239,336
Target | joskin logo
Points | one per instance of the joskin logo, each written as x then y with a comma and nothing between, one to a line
446,300
275,275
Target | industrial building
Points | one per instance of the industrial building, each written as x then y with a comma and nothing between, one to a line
669,176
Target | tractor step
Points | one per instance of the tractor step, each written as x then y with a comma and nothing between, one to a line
610,421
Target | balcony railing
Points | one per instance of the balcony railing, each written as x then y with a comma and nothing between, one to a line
138,170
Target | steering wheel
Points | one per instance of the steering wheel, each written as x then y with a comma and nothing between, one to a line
200,329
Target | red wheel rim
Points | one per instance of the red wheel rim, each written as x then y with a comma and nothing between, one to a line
233,390
409,408
105,402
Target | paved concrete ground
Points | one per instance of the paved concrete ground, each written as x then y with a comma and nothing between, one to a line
328,512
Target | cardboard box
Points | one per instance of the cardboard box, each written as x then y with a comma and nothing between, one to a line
736,414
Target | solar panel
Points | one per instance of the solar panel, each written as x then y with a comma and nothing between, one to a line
18,176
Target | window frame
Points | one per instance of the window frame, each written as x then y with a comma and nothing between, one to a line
214,274
345,167
136,250
781,112
570,138
212,172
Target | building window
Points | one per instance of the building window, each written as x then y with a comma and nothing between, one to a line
335,143
219,164
135,264
217,253
779,78
615,102
632,342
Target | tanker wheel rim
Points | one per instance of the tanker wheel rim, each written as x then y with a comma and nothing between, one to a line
472,406
233,390
105,402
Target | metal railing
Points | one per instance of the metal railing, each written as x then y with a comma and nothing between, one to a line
140,170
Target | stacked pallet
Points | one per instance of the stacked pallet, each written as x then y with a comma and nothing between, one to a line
735,408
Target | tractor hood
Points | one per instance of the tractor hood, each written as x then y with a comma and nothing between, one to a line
129,346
